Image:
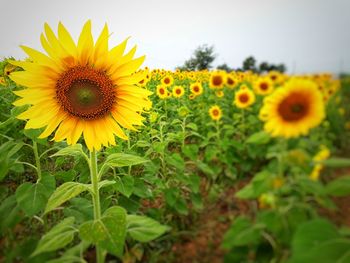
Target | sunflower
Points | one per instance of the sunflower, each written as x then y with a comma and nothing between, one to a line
244,98
84,88
168,80
231,81
178,91
192,96
217,79
162,92
196,88
215,113
275,76
293,109
219,93
2,81
263,86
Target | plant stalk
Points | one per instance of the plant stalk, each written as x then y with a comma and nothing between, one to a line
96,198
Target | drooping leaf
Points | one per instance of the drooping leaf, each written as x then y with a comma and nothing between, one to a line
144,229
58,237
63,193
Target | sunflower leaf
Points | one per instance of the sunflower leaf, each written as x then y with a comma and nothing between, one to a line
64,193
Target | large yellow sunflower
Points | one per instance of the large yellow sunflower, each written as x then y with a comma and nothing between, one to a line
84,88
293,109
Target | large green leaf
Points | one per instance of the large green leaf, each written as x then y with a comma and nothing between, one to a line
125,185
32,198
242,232
337,162
259,138
108,232
319,241
58,237
339,186
144,229
63,193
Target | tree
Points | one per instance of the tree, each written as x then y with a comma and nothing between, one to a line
249,64
224,67
202,59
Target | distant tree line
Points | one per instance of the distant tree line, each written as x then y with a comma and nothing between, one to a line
203,57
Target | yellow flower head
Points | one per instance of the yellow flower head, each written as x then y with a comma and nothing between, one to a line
84,88
192,96
215,113
293,109
196,88
231,81
219,93
2,81
275,76
162,92
168,80
244,98
263,86
178,91
217,79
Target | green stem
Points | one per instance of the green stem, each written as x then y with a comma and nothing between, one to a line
37,160
96,198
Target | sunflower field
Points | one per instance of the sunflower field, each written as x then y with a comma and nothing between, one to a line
104,161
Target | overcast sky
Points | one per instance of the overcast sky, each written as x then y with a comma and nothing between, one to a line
306,35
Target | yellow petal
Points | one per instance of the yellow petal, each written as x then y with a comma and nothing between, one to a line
128,68
66,40
42,120
53,123
85,44
41,58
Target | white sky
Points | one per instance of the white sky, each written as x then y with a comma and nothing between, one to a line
306,35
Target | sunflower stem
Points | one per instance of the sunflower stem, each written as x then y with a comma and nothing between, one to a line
96,198
37,160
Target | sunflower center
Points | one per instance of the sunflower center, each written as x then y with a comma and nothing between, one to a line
215,112
243,98
196,88
264,86
178,91
161,91
166,80
85,92
217,80
294,107
230,81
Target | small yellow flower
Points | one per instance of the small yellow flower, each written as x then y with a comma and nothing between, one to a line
244,98
168,80
215,113
178,91
196,88
219,93
162,92
231,81
263,86
2,81
217,79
